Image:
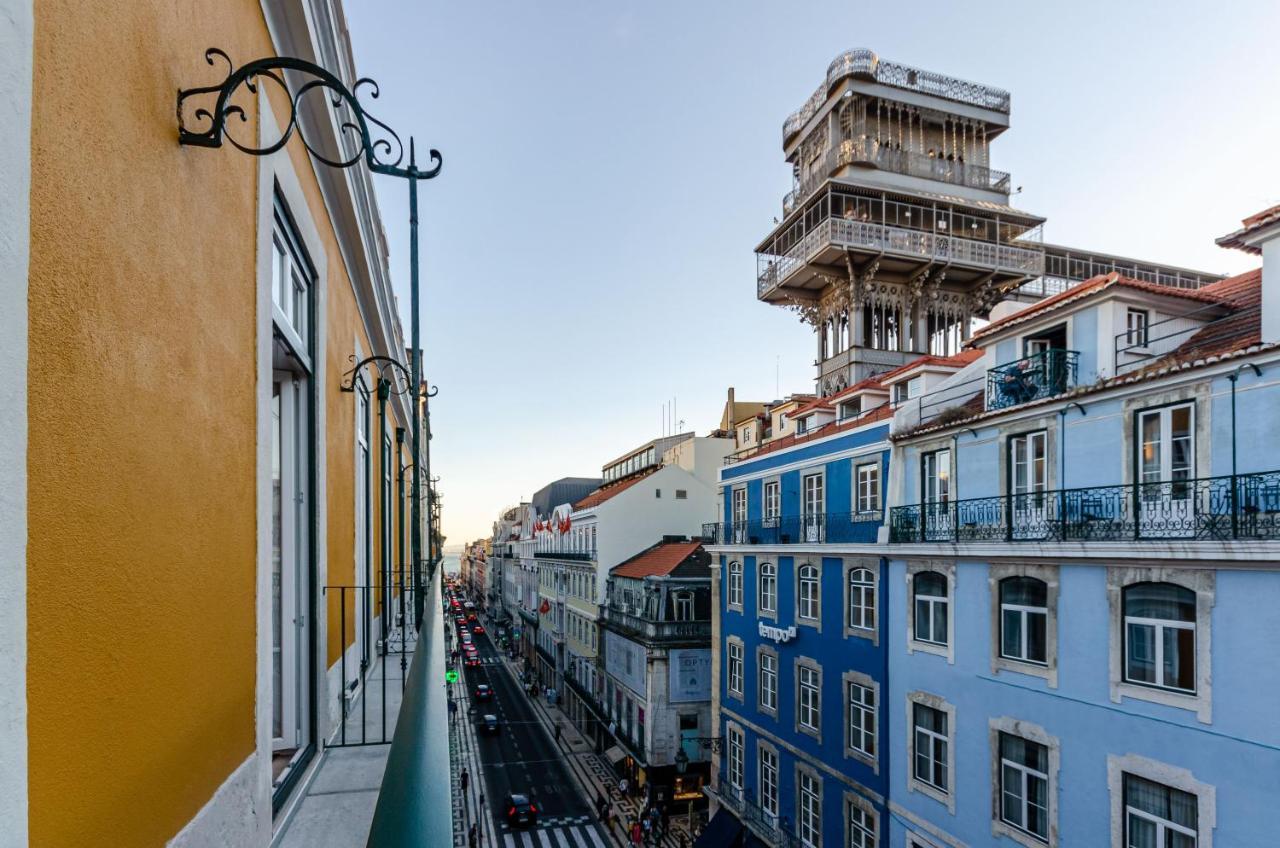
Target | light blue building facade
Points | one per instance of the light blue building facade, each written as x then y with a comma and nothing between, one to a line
801,645
1082,579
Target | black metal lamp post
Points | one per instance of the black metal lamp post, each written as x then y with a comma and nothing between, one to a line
381,153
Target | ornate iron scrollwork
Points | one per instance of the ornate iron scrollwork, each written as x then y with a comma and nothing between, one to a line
390,371
380,148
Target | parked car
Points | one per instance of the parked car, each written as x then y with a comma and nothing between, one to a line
489,724
521,811
484,693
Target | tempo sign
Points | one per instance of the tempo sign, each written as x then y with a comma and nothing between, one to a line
778,634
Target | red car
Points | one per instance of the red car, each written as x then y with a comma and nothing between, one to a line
479,628
473,660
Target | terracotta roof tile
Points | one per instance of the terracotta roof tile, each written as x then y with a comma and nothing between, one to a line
880,412
604,493
959,360
1090,287
663,558
1252,224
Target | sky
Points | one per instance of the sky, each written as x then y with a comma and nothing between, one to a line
609,168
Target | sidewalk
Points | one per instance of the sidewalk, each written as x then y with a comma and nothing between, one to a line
595,774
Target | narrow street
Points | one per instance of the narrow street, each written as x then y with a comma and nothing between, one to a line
522,758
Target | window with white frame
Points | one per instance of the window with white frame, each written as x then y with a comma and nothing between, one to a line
935,469
929,729
809,809
772,502
808,697
769,681
813,506
739,514
1160,636
735,758
1024,785
808,592
1159,816
1028,468
1136,323
768,588
929,590
862,599
868,487
735,584
684,606
735,668
1024,615
862,717
768,771
861,827
1166,457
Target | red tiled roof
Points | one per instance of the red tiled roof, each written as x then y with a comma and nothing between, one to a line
1090,287
604,493
959,360
880,412
860,386
662,558
812,406
1252,224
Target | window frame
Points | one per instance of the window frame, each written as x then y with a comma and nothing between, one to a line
1024,612
735,653
769,800
997,574
1158,627
944,794
947,568
805,709
867,684
770,611
771,502
1028,732
736,574
932,604
868,830
804,824
736,741
1173,777
809,603
1142,331
863,503
764,652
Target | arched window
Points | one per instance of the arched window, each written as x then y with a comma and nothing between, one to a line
808,594
1160,636
930,597
735,583
768,587
1024,614
862,599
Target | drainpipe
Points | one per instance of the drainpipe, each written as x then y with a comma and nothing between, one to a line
1062,462
1235,512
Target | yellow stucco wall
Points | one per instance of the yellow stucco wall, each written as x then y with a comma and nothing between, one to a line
141,512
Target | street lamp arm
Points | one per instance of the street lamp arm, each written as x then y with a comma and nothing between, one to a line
384,364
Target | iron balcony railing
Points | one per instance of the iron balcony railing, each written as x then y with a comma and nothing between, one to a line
774,829
822,528
645,628
913,243
873,153
1045,374
1244,506
578,556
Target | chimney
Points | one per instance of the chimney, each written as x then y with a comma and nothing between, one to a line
1260,235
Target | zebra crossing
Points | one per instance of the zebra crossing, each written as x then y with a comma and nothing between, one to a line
573,836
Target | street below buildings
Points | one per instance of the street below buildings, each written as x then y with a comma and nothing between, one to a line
522,758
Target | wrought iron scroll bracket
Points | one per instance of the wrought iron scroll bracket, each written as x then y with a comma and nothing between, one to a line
211,107
399,382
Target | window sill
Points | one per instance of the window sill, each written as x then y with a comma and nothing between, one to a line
871,634
864,758
1193,702
1046,672
1022,837
914,784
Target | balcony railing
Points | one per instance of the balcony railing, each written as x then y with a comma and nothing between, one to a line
774,829
819,528
1245,506
873,153
1045,374
655,630
917,244
577,556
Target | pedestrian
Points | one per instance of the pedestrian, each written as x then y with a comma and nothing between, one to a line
482,798
557,733
622,787
636,832
645,829
600,803
466,779
472,837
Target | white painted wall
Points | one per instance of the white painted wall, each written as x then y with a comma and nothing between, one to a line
16,39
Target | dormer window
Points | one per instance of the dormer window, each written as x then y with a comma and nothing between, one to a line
850,408
908,390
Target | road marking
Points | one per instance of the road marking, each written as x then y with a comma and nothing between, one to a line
542,837
508,841
526,839
564,843
577,837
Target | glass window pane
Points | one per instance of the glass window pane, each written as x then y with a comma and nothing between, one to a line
1037,624
1011,634
1179,657
1141,653
1160,600
940,623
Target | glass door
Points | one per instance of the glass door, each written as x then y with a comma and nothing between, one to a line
364,535
1166,494
814,507
935,469
290,583
1028,481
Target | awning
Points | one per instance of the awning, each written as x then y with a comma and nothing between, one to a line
615,755
723,831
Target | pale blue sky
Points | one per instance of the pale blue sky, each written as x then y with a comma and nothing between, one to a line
609,166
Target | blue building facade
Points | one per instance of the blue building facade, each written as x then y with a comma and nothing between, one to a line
1083,583
800,640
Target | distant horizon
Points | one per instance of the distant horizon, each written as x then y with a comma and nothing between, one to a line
587,247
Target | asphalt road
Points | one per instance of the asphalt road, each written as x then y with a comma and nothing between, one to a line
523,758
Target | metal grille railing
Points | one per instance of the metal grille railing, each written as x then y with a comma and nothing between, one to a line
1045,374
818,528
1244,506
